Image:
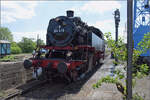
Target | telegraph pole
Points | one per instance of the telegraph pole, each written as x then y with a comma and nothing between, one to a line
130,48
37,40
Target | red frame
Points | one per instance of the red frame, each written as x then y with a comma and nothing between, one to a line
44,63
69,47
71,64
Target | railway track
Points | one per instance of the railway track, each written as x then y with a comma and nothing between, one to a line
42,89
20,90
55,89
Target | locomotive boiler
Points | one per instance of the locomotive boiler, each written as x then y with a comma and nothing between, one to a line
70,30
72,49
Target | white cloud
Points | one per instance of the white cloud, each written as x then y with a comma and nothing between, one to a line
18,35
109,26
105,25
99,6
76,10
13,10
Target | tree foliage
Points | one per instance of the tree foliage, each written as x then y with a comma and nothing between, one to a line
144,45
5,34
40,42
15,49
27,45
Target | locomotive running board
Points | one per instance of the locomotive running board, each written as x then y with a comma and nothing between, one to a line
69,47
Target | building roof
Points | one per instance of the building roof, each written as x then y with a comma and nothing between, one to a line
4,41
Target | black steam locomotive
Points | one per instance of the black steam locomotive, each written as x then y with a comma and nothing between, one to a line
73,48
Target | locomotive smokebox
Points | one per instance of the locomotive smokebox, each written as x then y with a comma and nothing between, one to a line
70,13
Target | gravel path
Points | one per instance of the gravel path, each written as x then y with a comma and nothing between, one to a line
105,92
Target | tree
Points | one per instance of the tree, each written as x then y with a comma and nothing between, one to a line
15,49
120,52
27,45
40,42
5,34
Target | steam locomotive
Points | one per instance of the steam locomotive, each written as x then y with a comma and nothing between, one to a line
72,49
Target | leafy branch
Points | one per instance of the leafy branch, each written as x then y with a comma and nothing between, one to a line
119,50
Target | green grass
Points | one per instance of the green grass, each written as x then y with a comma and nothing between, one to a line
7,58
13,57
2,93
20,54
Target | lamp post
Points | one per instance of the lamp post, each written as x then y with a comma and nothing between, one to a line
117,20
147,3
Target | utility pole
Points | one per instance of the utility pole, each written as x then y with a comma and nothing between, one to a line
37,40
130,48
117,20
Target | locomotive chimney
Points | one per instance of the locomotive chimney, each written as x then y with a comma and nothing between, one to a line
70,13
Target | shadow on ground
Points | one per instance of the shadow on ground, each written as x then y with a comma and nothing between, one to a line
56,90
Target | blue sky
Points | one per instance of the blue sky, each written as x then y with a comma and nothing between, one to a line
29,18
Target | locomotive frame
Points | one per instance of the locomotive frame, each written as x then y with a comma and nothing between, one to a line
74,67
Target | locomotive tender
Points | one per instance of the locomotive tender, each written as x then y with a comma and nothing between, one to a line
73,49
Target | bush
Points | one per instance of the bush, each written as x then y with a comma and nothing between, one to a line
15,50
27,45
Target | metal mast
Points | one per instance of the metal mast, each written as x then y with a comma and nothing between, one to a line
130,48
141,21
